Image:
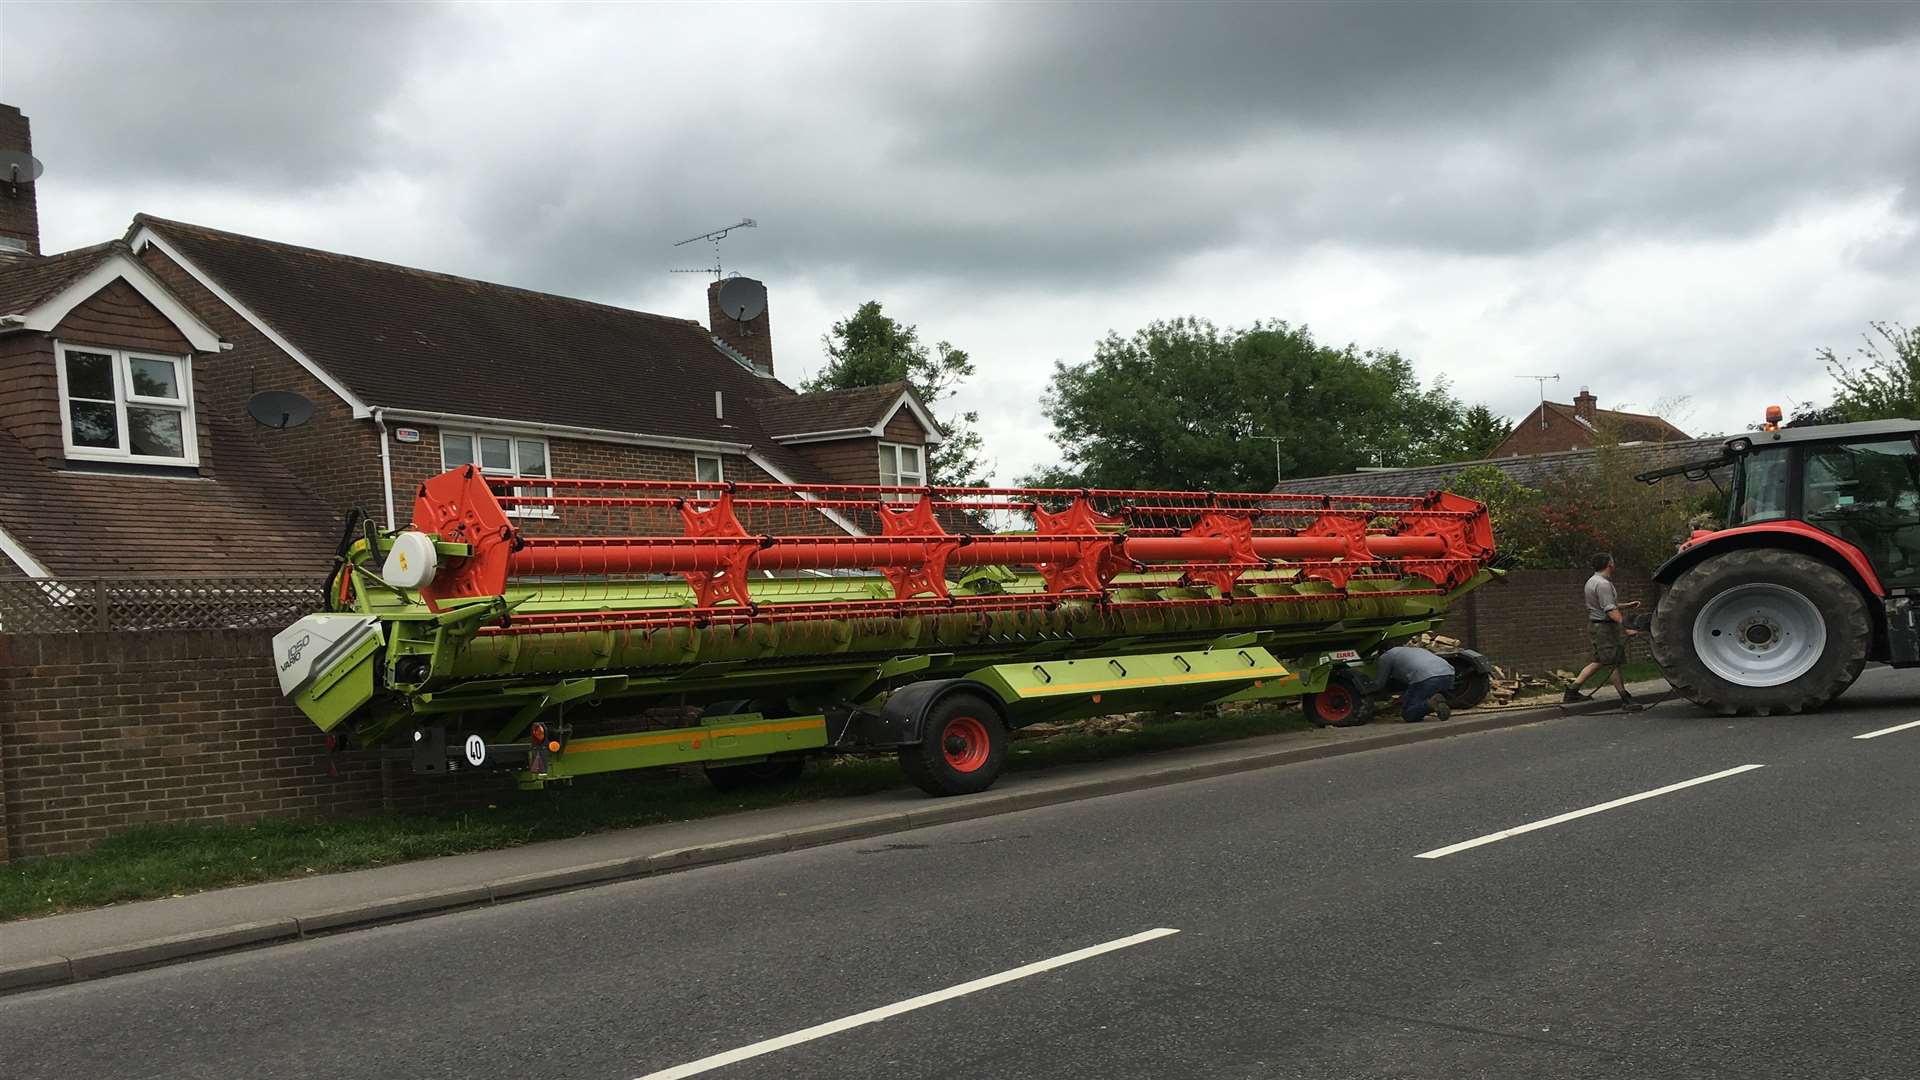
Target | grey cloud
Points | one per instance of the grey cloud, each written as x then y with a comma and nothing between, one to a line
283,96
1101,142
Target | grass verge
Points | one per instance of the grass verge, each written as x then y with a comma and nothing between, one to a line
170,860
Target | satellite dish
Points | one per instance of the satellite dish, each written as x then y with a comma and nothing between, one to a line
19,167
742,299
279,409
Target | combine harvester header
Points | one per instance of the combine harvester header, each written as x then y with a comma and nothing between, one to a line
566,627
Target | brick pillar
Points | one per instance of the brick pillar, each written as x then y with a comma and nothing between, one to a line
19,213
751,338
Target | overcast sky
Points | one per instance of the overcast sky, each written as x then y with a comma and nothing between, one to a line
1655,201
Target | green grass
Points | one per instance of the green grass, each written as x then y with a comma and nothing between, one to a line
174,859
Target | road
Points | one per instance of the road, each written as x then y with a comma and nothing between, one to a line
1759,924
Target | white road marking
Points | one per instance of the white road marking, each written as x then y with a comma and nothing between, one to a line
1889,730
1569,816
819,1031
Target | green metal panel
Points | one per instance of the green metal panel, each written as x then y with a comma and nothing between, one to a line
343,688
1057,689
748,736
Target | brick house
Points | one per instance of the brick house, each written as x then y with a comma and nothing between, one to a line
1555,426
125,369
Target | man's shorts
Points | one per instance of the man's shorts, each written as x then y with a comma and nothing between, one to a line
1609,644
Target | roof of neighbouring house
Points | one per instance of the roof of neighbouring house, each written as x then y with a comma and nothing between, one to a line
1529,471
824,411
1626,426
26,283
408,339
248,513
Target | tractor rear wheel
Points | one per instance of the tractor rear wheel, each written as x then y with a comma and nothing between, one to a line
1762,631
962,747
1341,704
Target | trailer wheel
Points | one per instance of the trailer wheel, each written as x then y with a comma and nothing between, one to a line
963,747
769,773
1762,631
1470,688
1341,704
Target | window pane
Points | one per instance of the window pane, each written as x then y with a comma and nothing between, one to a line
155,379
1868,494
455,450
94,424
707,469
1763,488
89,375
533,458
496,453
155,432
910,459
889,466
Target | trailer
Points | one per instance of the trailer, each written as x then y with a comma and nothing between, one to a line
560,628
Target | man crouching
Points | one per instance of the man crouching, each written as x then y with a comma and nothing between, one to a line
1427,679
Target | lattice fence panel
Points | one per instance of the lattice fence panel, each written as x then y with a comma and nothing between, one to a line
79,605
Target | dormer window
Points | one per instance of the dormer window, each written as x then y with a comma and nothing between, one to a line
122,405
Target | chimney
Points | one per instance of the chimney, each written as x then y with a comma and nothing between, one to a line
1583,404
19,216
752,337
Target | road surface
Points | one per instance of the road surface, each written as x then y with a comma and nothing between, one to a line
1437,910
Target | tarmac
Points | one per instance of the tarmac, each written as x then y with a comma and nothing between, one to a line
91,944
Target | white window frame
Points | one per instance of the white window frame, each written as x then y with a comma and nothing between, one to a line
473,437
719,475
123,395
902,478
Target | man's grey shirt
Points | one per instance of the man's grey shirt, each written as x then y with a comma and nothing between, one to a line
1601,598
1408,665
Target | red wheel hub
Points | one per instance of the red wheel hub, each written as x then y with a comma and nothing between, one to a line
965,743
1336,702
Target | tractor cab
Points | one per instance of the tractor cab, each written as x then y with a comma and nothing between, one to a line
1856,483
1815,573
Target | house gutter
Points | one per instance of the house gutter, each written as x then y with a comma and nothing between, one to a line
567,431
386,462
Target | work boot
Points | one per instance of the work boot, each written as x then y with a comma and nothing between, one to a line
1571,696
1438,703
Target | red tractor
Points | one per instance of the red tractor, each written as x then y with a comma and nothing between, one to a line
1814,575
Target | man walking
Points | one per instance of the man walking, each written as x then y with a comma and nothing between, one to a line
1427,679
1608,629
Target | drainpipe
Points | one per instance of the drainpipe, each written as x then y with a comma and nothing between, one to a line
386,463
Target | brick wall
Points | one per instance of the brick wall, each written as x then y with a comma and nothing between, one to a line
99,732
19,215
1535,620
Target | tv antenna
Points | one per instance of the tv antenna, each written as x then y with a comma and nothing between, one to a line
715,237
1543,380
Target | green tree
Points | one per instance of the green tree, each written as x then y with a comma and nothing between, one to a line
1480,433
1579,510
1185,404
870,348
1514,508
1881,380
